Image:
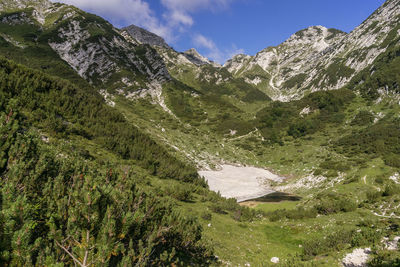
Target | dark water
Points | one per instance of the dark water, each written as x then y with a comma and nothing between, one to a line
276,197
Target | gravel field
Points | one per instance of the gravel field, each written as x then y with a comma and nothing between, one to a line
242,183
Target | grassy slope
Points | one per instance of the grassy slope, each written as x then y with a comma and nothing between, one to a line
260,240
293,157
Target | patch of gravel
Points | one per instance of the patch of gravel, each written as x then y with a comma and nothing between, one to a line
391,244
275,260
242,183
307,182
357,258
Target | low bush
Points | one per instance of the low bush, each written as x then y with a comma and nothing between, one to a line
180,192
363,118
335,165
352,179
379,180
295,214
239,213
207,216
373,196
385,258
334,203
390,190
392,160
339,240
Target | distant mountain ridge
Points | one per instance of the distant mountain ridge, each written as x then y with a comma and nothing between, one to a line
312,59
92,118
318,58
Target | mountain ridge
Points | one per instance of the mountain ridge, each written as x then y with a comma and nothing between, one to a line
102,137
340,44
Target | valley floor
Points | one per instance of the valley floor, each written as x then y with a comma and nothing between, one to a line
241,183
345,215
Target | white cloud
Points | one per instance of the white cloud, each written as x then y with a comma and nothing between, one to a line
235,51
213,52
125,12
179,18
179,11
202,41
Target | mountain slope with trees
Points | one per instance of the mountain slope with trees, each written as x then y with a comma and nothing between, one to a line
102,135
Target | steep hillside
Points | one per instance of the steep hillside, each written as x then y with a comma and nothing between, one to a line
103,131
74,178
207,77
280,67
317,58
92,47
70,43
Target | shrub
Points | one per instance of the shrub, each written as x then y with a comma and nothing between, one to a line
363,118
373,196
206,216
318,172
390,190
392,160
334,203
380,139
340,240
365,237
239,213
334,241
180,192
295,214
379,180
335,165
351,179
385,258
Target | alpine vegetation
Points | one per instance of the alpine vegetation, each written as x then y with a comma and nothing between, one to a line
118,150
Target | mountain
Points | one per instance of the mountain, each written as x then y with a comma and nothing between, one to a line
89,45
278,65
144,36
110,58
318,58
103,132
197,59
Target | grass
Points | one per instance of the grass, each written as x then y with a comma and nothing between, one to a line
268,207
193,137
257,242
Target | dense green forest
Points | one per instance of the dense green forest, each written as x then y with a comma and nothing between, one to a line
69,208
62,210
63,204
62,109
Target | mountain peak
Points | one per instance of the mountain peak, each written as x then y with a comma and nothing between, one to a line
193,56
315,33
145,37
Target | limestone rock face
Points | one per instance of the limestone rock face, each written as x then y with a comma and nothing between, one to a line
193,56
134,61
145,37
318,58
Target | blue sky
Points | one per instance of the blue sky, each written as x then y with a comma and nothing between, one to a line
219,29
